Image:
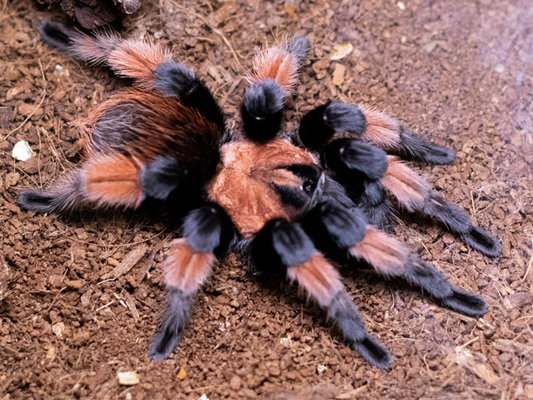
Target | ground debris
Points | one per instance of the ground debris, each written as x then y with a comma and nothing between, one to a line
475,364
340,51
338,74
129,261
5,278
22,151
128,378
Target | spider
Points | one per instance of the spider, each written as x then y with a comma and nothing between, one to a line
285,201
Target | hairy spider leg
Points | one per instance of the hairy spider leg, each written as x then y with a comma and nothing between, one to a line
148,63
346,229
368,174
414,194
207,233
127,58
107,180
363,122
283,246
273,78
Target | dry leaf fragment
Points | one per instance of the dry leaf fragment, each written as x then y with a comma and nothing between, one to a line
292,14
130,302
351,394
182,374
475,365
5,277
340,51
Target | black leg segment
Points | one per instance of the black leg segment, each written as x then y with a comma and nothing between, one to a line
174,79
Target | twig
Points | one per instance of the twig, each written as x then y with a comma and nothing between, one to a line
528,268
105,305
3,8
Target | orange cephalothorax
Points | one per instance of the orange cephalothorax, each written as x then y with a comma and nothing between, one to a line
253,177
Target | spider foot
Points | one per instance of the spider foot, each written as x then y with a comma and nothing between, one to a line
36,200
482,241
459,222
177,311
465,303
425,276
64,195
57,35
414,147
206,230
344,313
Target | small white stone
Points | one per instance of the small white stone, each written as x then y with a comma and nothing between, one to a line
203,397
61,71
223,326
22,151
500,69
287,342
58,329
321,368
400,5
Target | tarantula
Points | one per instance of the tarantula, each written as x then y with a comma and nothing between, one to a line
284,202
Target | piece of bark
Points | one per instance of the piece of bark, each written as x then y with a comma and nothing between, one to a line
131,259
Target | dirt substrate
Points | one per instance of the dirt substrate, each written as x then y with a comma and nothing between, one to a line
458,72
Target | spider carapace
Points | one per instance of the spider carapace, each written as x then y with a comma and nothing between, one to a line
286,201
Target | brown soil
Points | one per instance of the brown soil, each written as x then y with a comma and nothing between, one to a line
459,72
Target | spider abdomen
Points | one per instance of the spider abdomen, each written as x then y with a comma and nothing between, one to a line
143,124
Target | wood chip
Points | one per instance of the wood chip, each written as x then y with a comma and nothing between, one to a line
131,259
5,277
130,302
511,346
352,394
338,74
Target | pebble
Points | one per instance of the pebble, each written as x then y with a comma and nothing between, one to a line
235,383
22,151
